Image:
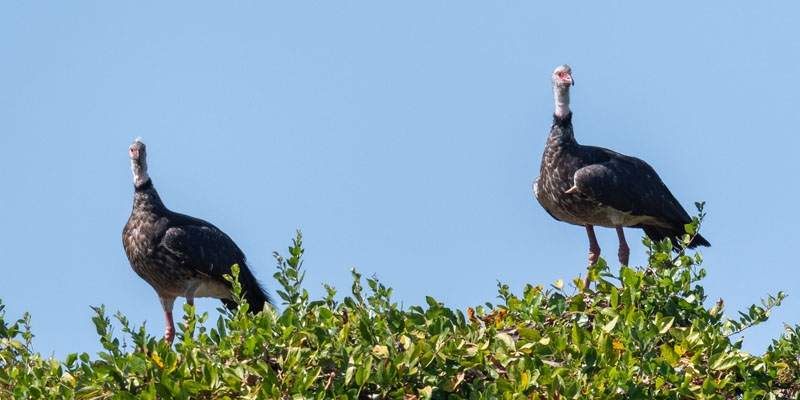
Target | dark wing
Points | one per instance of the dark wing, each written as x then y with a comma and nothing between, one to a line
204,248
630,185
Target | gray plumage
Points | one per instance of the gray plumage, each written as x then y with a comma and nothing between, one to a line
593,186
609,188
179,255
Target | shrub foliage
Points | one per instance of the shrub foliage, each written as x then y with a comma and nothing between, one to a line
640,333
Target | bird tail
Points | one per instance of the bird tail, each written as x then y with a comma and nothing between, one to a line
660,232
252,291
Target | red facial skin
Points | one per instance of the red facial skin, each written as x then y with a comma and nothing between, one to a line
134,153
564,76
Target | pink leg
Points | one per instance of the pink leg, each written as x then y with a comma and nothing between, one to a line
624,250
594,252
169,333
594,248
166,305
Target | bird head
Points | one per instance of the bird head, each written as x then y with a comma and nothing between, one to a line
138,150
562,77
139,163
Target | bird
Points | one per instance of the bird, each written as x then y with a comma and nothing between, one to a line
179,255
594,186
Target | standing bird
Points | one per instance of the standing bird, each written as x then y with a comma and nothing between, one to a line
179,255
588,186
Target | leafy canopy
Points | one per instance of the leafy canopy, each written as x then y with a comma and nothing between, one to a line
641,333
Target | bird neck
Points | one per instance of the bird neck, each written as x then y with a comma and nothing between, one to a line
561,133
146,195
561,94
140,176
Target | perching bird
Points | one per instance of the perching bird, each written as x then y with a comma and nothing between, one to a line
588,186
179,255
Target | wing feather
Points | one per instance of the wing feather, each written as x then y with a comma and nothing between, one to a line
203,248
630,185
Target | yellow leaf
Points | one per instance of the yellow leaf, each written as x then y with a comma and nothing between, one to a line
405,341
559,284
453,383
472,317
611,324
501,315
617,345
524,380
173,364
68,378
426,392
545,340
157,360
380,351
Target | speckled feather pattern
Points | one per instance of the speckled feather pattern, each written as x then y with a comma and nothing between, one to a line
179,255
609,188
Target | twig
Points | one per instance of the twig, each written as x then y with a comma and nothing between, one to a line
755,321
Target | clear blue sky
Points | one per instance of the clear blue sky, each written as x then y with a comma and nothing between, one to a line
401,138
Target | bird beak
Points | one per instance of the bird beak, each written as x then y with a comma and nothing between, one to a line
567,78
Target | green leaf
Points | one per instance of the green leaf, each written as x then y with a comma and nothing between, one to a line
609,312
708,385
723,361
350,371
577,335
665,324
558,304
614,298
507,341
431,302
530,333
611,324
325,313
669,354
363,372
647,336
453,383
310,378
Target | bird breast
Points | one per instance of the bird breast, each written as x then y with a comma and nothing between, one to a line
157,266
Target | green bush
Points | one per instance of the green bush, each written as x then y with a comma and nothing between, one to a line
641,333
